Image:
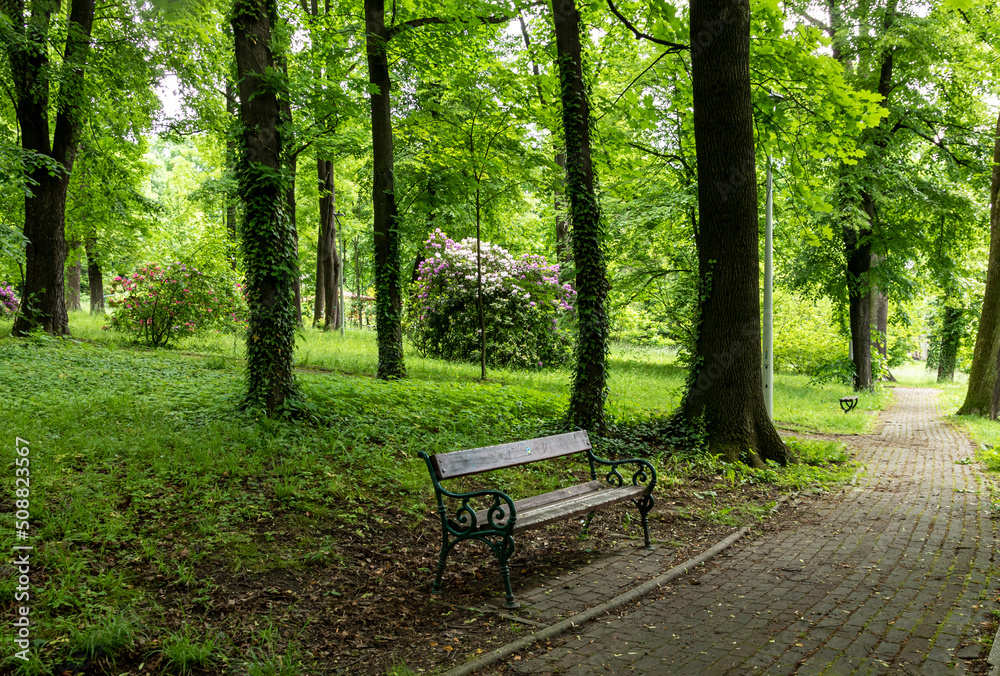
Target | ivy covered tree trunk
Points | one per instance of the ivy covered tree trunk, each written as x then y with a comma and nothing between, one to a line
586,404
388,285
267,236
951,338
983,375
26,43
95,277
724,387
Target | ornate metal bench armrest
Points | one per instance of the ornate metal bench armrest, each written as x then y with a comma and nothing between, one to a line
464,518
644,472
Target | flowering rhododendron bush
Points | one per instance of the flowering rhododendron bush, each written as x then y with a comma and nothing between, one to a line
160,304
8,301
524,305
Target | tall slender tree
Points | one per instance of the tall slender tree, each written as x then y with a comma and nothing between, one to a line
26,39
724,387
586,406
388,282
267,234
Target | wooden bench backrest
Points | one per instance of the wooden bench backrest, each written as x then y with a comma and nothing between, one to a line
476,460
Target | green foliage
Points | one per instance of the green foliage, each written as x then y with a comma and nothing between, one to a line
525,307
804,338
182,653
158,306
817,452
989,456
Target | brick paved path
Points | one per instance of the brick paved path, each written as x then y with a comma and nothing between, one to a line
886,577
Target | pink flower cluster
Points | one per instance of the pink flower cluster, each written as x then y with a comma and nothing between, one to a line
157,305
522,297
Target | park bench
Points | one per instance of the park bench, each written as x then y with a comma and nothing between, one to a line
847,404
498,516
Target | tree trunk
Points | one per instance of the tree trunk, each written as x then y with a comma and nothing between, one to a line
858,241
951,338
985,363
43,303
73,281
857,247
267,234
724,388
388,286
586,405
331,270
95,278
325,215
357,282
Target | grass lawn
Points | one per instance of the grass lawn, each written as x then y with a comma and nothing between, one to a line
175,534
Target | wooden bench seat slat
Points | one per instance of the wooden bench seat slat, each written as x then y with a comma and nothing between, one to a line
579,505
476,460
563,504
538,501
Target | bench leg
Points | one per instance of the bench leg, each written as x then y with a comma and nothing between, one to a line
504,550
645,505
586,524
442,557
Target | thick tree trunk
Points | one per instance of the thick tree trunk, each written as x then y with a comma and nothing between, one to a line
73,279
43,303
586,405
95,278
268,238
724,389
857,247
985,363
388,286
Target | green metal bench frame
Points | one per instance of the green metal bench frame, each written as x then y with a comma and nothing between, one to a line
495,524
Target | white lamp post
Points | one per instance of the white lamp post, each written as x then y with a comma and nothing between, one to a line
767,366
767,370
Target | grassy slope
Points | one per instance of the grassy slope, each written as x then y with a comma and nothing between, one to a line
132,449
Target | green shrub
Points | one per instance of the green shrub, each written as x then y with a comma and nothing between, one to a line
817,452
159,305
524,306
